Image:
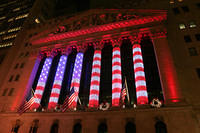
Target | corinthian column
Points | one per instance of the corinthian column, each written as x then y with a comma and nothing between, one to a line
140,81
55,92
42,82
75,83
116,73
95,78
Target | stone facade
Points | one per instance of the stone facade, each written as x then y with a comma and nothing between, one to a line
179,111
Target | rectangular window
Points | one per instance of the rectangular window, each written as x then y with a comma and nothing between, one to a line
182,26
17,77
185,9
198,72
198,5
2,58
197,36
16,66
176,11
187,39
11,77
22,65
193,51
4,92
11,92
192,24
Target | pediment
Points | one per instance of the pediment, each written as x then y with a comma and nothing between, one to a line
98,18
102,16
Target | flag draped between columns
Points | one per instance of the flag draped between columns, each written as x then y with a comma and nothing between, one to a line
76,77
55,92
41,83
140,81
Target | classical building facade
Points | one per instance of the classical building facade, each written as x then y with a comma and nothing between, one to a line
97,53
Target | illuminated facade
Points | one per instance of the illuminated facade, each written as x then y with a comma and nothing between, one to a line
95,52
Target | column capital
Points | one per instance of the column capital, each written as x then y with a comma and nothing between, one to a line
158,33
136,39
48,53
65,51
82,47
98,44
116,42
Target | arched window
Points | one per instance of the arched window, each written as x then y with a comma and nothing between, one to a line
102,128
54,127
77,128
160,127
34,126
16,126
130,128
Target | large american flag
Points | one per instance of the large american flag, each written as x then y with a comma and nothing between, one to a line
68,103
26,105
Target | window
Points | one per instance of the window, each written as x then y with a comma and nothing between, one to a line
10,79
193,51
197,36
27,54
171,1
34,126
130,128
4,92
6,45
187,38
198,72
198,5
16,9
176,11
9,37
2,32
185,8
21,16
2,58
182,26
11,92
102,128
14,29
22,65
17,77
16,66
54,127
180,0
160,127
16,127
192,24
1,18
77,128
